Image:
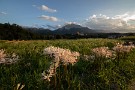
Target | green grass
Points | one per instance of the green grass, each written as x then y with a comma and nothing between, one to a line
81,45
84,75
128,38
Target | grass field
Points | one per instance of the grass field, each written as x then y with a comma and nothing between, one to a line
100,73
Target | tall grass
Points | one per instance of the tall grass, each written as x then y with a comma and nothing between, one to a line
98,73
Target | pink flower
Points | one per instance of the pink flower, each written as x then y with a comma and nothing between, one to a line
102,52
8,59
60,55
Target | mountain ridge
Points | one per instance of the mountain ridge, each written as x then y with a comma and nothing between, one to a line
67,29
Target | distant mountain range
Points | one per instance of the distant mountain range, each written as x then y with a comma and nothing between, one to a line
67,29
41,31
73,29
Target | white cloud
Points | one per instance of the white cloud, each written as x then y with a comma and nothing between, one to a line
53,27
49,18
3,13
111,23
72,23
46,8
93,16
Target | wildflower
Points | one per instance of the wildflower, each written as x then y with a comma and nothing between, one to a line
123,48
2,54
102,52
60,55
65,55
7,59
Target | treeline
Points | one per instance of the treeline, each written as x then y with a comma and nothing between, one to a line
16,32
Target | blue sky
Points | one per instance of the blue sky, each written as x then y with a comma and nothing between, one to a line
91,13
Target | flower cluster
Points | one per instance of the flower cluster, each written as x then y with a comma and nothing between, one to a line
7,59
60,55
123,48
119,48
2,54
102,52
65,55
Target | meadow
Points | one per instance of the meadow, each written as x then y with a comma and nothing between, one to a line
114,72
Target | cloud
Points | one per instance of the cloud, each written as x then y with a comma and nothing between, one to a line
49,18
126,17
53,27
104,22
46,8
50,27
72,23
3,13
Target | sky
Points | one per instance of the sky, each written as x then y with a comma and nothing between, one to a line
94,14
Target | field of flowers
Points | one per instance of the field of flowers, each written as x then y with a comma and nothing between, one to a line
81,64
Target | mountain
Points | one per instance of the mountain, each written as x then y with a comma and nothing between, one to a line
67,29
73,29
40,31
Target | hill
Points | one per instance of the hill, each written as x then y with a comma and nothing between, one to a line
67,29
40,31
74,29
16,32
